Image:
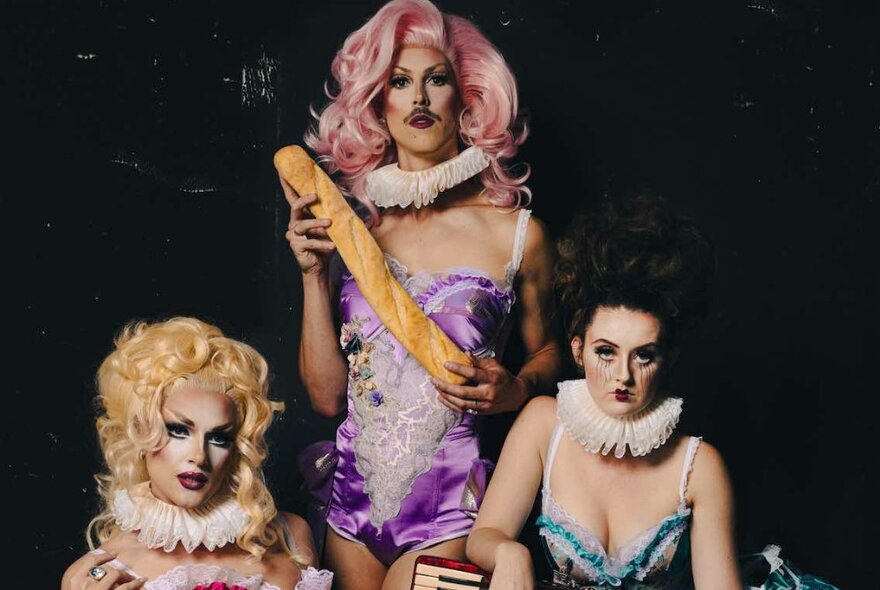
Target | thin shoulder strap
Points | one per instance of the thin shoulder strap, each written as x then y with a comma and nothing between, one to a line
551,453
693,445
519,240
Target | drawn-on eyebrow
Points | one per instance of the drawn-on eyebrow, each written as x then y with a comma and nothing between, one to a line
428,70
639,347
187,422
181,418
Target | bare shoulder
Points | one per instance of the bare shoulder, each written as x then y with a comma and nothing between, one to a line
120,543
541,408
301,534
538,417
537,234
708,476
538,249
708,460
296,524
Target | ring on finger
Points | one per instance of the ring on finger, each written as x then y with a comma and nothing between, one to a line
97,573
474,409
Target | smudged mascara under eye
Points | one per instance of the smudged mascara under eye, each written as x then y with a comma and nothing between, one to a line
605,353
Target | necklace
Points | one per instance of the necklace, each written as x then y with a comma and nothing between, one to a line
160,524
596,431
389,185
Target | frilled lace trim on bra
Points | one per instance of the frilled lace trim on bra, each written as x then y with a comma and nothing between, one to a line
188,576
635,558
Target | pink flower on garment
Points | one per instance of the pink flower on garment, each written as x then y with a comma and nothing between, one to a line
219,586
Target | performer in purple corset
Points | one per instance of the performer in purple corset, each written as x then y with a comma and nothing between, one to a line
420,130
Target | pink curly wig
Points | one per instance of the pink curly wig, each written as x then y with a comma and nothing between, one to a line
351,139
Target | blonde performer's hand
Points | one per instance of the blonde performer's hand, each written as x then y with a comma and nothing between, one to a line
92,572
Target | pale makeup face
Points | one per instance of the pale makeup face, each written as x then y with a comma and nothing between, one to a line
621,357
192,464
421,108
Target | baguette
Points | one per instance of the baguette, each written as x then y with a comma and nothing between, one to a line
420,335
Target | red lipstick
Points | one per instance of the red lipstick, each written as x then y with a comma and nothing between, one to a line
192,480
622,395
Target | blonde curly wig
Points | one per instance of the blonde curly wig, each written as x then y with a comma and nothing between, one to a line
149,361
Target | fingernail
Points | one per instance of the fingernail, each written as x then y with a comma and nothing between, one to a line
447,365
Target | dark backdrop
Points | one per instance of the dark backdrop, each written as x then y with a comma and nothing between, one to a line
137,183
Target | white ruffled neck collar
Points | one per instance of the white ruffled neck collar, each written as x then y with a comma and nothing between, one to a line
389,185
159,524
597,432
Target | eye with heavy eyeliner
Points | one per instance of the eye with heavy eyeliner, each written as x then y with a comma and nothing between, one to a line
605,352
645,357
437,78
220,438
177,430
399,81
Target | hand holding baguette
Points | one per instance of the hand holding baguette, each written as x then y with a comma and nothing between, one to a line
366,262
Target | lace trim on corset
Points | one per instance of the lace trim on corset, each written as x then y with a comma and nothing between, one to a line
434,303
418,282
401,433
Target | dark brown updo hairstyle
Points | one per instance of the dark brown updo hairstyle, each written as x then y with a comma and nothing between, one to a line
637,254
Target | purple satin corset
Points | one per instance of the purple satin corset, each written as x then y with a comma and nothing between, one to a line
404,457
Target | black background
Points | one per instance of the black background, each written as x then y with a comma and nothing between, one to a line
138,183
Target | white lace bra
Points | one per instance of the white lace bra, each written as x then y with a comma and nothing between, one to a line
579,556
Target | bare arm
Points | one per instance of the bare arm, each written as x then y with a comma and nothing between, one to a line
492,543
541,369
713,551
494,388
322,367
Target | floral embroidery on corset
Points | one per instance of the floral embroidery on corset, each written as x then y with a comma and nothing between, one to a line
359,370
